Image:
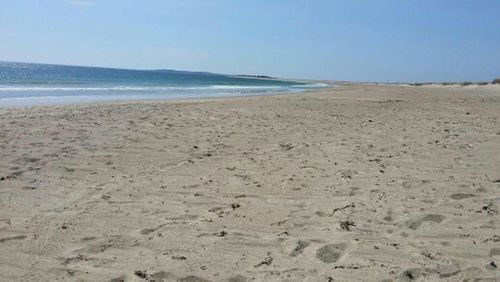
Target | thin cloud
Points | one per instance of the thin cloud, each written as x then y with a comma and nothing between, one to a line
81,2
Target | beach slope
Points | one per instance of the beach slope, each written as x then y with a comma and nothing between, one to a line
354,183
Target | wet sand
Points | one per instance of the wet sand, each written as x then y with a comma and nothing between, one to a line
356,183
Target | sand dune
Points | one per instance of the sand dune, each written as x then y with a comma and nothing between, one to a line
356,183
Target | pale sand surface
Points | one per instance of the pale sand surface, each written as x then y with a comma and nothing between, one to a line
357,183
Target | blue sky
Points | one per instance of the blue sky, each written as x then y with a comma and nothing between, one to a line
370,40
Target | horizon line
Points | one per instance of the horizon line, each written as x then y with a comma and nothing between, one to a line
271,77
156,69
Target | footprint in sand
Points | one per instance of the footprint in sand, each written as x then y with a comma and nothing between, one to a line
495,252
461,196
193,278
147,231
114,241
122,278
348,174
411,274
89,238
301,245
4,222
389,217
159,276
162,276
331,253
414,224
18,237
237,278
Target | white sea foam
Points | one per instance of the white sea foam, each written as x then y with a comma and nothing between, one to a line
133,88
312,85
46,95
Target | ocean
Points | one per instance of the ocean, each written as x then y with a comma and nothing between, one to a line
27,84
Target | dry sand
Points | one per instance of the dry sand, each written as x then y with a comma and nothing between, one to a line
357,183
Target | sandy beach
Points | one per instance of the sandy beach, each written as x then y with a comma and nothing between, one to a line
353,183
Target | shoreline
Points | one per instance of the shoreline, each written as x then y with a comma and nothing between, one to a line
173,100
235,95
357,182
335,85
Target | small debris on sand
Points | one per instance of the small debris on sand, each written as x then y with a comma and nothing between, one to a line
346,225
267,261
343,208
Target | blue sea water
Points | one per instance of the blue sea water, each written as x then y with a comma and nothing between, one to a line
26,84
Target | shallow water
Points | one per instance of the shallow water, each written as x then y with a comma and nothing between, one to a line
24,84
